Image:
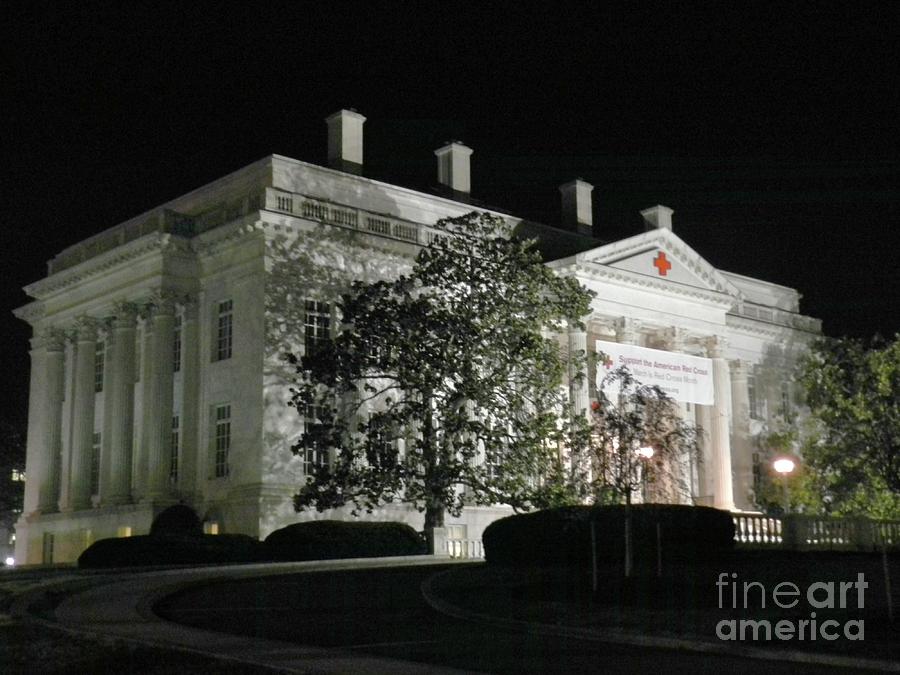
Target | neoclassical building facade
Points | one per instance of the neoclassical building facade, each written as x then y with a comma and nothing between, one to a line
157,374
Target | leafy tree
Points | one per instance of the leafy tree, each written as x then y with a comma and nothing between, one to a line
636,439
12,457
443,386
853,393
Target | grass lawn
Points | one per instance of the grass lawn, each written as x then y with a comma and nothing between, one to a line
685,601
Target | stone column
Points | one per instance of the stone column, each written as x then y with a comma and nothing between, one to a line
160,404
578,377
120,405
44,423
143,412
83,415
190,399
35,452
740,438
683,471
52,422
720,426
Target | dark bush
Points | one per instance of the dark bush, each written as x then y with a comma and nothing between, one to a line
148,550
331,539
178,520
562,536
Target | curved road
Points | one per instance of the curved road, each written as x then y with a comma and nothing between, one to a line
353,617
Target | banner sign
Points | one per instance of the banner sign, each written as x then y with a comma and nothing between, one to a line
683,377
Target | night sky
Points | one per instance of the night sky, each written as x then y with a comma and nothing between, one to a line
773,131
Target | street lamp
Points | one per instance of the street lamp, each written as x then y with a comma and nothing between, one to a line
784,466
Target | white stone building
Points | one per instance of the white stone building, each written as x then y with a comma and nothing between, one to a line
155,359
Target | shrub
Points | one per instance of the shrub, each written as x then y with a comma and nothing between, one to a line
330,539
172,550
178,520
561,536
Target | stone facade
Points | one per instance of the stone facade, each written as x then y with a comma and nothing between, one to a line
157,375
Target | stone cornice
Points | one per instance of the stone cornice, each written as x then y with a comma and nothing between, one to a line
214,240
765,328
662,238
31,313
155,241
386,247
605,273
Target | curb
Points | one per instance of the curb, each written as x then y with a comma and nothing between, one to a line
620,637
23,602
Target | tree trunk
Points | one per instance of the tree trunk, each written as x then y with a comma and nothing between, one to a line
434,517
434,508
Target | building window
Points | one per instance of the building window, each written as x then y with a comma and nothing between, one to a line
223,439
210,527
751,397
99,358
224,331
176,346
18,476
492,466
315,452
173,450
785,399
95,464
316,325
123,531
47,548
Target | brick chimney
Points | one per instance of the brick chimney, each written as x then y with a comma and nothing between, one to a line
577,207
453,166
345,141
657,218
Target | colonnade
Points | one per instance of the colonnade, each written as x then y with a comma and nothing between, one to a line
730,393
136,441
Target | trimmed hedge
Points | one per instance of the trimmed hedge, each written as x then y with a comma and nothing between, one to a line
332,539
562,536
147,550
178,520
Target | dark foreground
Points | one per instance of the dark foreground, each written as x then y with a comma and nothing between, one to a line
382,612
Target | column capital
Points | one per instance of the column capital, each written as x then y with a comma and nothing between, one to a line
52,339
739,368
191,308
574,327
85,328
677,339
163,302
125,314
715,346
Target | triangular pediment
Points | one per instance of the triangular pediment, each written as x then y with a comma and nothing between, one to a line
663,256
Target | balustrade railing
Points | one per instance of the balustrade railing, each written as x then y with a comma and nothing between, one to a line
463,548
757,529
345,216
797,531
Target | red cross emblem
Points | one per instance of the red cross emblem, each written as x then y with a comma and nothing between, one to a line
662,264
607,362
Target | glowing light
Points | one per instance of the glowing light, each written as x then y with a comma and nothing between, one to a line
783,465
10,561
